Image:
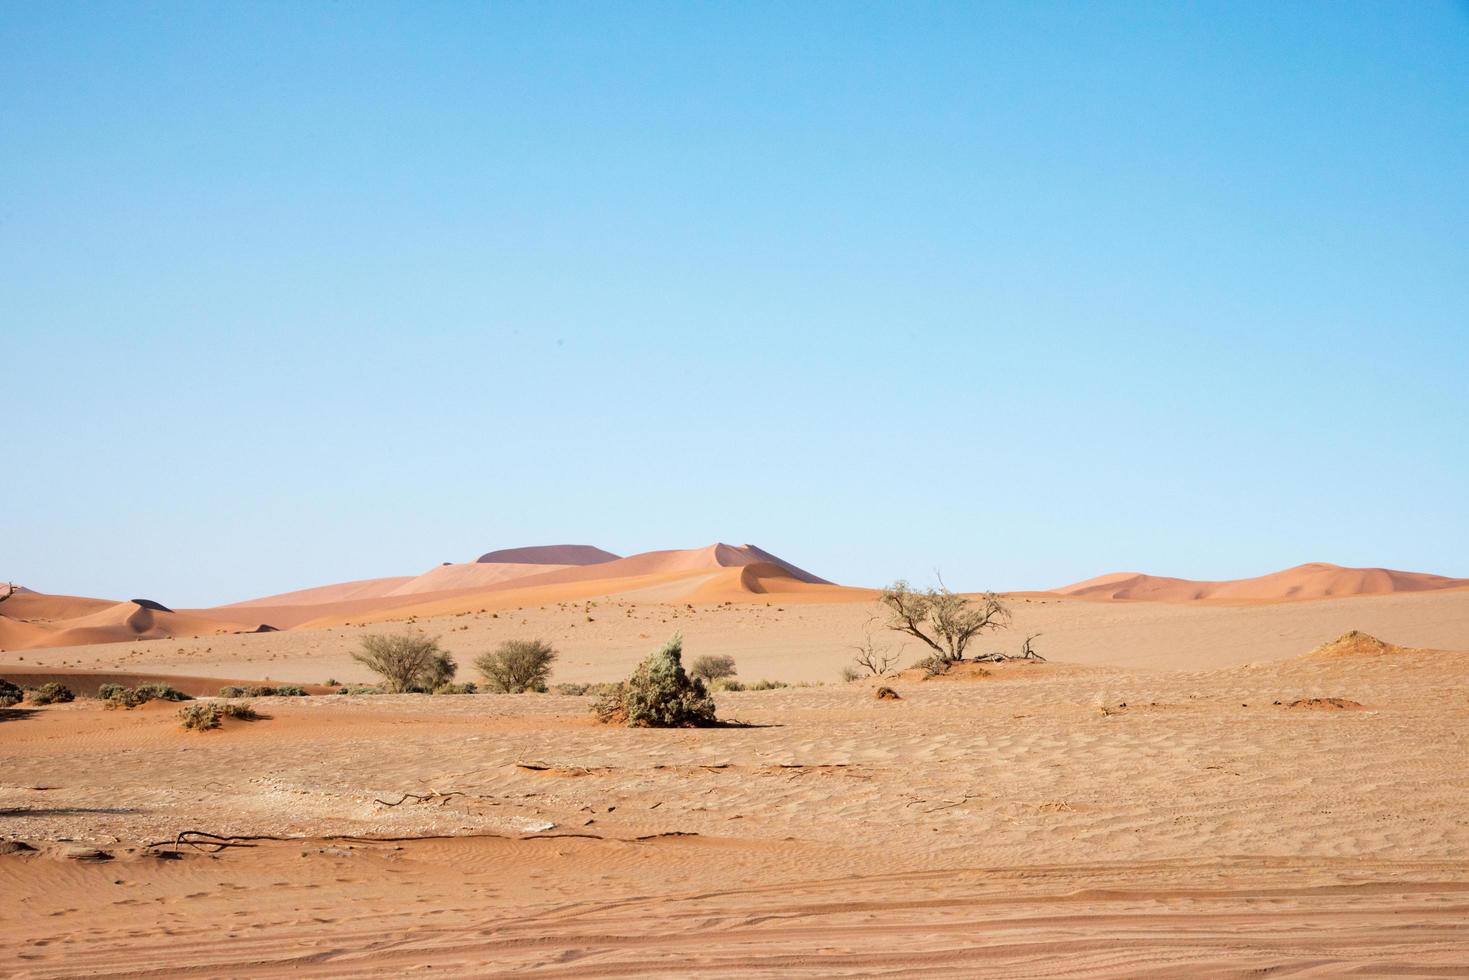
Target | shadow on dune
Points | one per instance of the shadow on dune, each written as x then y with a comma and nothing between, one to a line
15,714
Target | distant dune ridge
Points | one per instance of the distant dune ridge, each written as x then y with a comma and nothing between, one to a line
1316,580
550,554
509,577
539,576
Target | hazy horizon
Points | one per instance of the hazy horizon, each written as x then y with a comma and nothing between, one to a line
1021,293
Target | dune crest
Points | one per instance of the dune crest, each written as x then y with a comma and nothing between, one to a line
549,554
1315,580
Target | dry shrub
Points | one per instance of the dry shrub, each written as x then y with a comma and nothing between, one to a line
50,693
886,694
10,695
117,696
517,666
659,694
713,667
205,716
407,662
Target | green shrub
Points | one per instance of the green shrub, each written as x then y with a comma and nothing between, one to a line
290,691
106,692
466,688
407,662
659,694
360,689
244,711
712,667
231,692
763,685
727,684
10,695
50,693
517,666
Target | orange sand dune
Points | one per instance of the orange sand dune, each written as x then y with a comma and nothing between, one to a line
703,585
113,623
38,607
367,588
473,575
1317,580
550,554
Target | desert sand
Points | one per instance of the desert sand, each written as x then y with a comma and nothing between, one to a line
1185,788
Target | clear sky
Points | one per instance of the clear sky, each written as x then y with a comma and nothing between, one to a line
297,293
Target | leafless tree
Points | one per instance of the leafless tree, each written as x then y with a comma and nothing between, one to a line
877,661
944,620
9,591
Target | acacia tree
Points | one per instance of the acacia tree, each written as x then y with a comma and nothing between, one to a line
944,620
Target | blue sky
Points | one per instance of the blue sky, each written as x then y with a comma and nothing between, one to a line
1024,293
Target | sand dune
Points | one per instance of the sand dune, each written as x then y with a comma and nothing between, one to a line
1316,580
550,554
367,588
112,623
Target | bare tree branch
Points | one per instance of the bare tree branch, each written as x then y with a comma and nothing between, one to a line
944,620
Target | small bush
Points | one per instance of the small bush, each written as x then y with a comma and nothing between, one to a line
727,684
465,688
117,696
200,717
360,689
886,694
161,692
407,662
10,695
850,674
570,690
934,666
763,685
517,666
713,667
50,693
205,716
263,691
659,694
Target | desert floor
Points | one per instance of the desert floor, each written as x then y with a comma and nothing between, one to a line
998,826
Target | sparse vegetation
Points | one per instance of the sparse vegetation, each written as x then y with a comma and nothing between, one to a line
875,660
200,717
517,666
50,693
10,695
117,696
468,687
886,694
407,662
263,691
713,667
204,716
659,694
850,674
360,689
943,620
